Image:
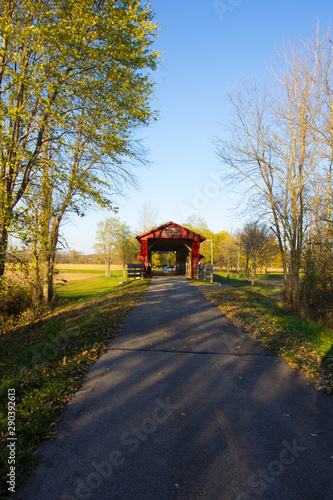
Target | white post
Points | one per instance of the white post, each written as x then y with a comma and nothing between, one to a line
211,251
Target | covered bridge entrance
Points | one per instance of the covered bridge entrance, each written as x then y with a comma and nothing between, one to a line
171,237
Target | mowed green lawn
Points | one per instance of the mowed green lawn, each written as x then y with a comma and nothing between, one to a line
78,290
81,271
45,361
268,285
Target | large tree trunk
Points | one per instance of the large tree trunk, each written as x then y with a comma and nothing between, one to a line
294,279
228,266
291,281
253,277
36,291
3,249
107,267
247,267
47,273
238,262
48,290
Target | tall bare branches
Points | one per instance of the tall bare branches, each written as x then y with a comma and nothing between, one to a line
279,146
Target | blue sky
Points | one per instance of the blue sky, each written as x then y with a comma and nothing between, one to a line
208,45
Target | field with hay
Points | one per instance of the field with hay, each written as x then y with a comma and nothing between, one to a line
86,267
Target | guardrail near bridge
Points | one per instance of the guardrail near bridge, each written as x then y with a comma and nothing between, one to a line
135,271
204,272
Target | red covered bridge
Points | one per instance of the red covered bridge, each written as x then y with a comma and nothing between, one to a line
171,237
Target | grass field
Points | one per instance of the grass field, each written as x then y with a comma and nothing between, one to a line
267,285
78,291
259,310
45,361
86,267
80,271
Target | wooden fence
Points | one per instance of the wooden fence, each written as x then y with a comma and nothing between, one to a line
204,272
135,271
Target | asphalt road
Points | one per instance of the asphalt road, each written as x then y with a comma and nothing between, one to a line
184,405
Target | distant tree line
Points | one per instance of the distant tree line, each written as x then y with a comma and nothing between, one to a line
247,251
74,257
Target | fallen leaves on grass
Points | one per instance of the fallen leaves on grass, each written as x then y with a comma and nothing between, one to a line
306,346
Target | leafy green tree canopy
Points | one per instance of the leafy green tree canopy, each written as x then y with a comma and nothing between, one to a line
58,58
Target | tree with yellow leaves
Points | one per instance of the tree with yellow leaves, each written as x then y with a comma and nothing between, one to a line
70,69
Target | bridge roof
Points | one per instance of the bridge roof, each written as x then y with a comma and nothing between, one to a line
171,230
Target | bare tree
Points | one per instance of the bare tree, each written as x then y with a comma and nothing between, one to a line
226,251
271,150
322,48
147,217
257,244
